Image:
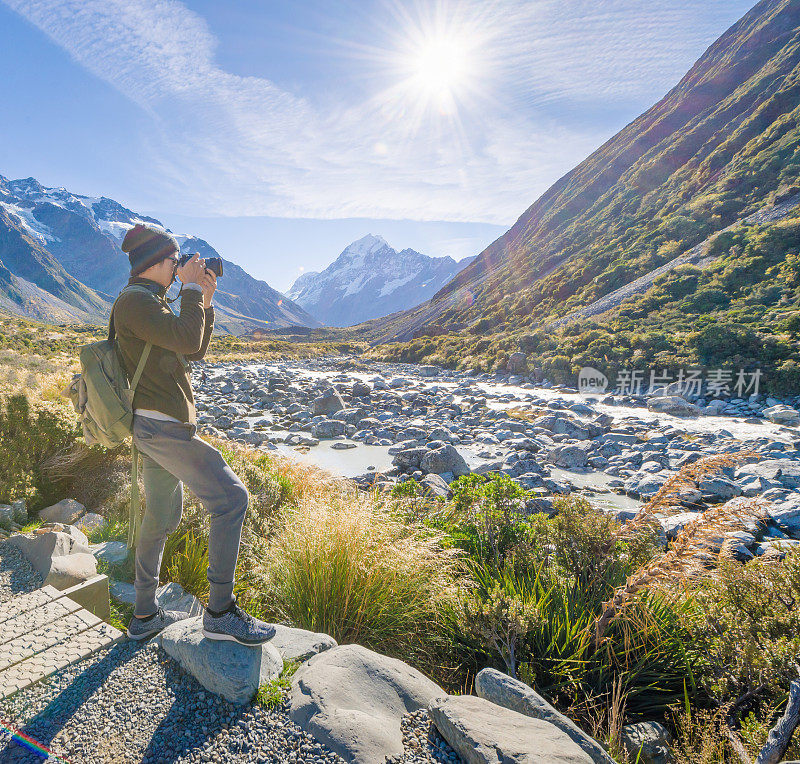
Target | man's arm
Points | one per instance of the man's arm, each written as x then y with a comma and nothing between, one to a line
149,320
207,330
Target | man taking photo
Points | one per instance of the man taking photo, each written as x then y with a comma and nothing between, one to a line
165,432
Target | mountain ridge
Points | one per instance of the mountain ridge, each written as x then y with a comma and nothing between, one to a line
67,246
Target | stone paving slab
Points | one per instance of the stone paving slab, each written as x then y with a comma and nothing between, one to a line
41,633
22,603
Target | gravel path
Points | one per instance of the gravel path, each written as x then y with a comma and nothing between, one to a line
16,574
130,703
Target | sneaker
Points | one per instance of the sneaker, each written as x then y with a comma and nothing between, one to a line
140,628
234,625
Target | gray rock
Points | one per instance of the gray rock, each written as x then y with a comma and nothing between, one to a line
444,459
113,552
568,457
90,521
328,403
66,511
499,688
647,743
484,733
352,700
229,669
784,415
71,569
43,548
436,486
783,471
328,428
673,404
172,596
299,644
717,487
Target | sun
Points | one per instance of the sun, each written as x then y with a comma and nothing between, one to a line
441,68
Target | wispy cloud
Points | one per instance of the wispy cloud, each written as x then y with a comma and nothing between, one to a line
234,145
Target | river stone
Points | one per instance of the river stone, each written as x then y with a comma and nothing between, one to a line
499,688
784,415
444,459
783,471
299,644
352,699
647,743
173,596
66,511
328,428
672,404
568,457
481,732
229,669
328,403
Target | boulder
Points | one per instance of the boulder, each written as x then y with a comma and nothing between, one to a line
328,403
409,458
503,690
445,458
783,471
429,371
299,644
361,390
434,485
328,428
568,457
71,569
716,487
352,699
41,549
481,732
784,415
673,404
228,669
647,743
66,511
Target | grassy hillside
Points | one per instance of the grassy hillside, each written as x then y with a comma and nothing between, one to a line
721,145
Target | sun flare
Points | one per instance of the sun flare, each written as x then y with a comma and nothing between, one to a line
441,67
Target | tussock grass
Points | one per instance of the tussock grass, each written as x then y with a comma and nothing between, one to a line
350,568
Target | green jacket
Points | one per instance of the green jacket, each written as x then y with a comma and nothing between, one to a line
139,318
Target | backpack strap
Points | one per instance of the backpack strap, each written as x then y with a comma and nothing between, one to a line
140,366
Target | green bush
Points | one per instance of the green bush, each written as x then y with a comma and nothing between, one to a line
29,434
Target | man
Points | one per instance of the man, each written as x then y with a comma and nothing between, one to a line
165,433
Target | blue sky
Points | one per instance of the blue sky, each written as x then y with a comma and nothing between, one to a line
281,131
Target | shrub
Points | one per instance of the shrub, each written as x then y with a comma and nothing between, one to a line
29,434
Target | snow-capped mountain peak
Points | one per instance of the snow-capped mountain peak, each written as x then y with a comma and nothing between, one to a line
370,279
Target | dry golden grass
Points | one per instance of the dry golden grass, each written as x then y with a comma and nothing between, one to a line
696,546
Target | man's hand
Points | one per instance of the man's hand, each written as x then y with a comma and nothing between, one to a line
208,281
192,272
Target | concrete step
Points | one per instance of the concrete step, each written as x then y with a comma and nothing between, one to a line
44,631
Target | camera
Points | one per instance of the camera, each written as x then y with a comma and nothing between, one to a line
213,264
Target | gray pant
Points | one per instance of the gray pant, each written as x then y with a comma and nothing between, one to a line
172,454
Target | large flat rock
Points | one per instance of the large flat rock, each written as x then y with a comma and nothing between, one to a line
352,700
229,669
499,688
481,732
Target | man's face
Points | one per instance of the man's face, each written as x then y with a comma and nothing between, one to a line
164,272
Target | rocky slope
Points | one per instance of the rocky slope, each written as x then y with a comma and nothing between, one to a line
719,146
64,262
371,279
